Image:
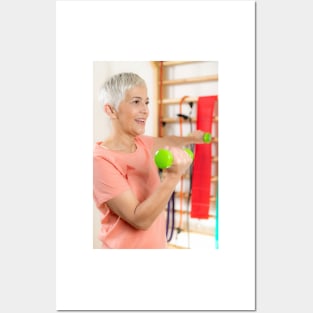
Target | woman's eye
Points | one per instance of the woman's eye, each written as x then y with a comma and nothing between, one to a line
138,101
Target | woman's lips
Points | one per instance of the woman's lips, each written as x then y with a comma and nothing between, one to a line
140,121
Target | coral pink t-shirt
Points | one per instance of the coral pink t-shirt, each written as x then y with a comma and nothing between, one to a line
115,172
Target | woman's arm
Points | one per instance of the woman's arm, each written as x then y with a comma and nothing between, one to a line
142,214
195,137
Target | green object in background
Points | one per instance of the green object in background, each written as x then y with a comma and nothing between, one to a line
207,137
189,152
164,158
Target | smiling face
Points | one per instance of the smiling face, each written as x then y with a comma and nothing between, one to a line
133,111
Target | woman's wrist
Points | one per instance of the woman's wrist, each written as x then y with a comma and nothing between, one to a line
171,177
197,136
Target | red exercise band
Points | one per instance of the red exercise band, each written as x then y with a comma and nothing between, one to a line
202,166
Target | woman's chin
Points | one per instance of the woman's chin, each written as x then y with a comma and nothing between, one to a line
140,130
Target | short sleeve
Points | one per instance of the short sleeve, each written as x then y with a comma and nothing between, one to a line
108,180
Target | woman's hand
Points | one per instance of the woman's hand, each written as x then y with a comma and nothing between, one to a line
181,162
197,136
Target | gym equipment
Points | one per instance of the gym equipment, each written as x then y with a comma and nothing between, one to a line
164,158
170,220
207,137
202,165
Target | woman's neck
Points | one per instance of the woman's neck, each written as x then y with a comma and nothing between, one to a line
120,142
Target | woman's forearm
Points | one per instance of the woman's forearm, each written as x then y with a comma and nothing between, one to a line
177,141
195,137
147,211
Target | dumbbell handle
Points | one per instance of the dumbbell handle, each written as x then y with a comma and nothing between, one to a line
164,158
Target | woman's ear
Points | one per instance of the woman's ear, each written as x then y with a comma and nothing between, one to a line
110,111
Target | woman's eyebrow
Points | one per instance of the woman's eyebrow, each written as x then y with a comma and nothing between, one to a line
135,97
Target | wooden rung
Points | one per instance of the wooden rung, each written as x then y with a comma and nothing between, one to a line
186,194
190,80
176,120
208,232
213,178
173,246
185,212
177,101
215,159
172,63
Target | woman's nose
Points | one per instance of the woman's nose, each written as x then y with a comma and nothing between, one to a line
144,108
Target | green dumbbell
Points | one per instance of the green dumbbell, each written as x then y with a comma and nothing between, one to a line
207,137
163,158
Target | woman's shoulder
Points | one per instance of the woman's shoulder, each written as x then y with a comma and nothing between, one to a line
104,158
99,149
101,152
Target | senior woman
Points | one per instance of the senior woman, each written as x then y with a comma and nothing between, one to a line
127,188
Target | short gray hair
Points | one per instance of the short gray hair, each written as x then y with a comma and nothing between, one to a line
114,89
